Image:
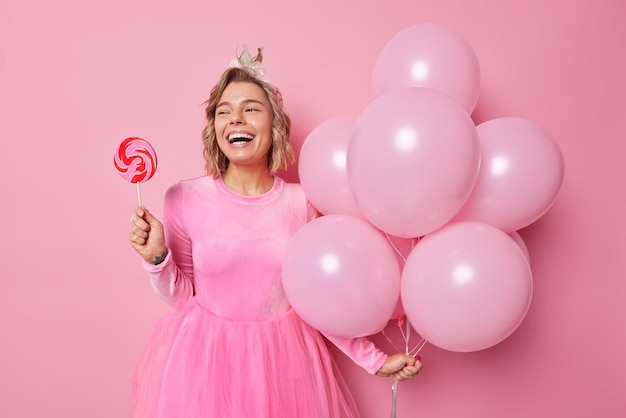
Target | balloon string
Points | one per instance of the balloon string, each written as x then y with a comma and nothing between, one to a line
139,193
394,397
390,341
414,242
406,336
394,247
415,351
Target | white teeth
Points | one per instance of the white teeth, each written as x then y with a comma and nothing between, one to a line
239,135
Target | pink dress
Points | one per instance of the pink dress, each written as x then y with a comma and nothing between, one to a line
232,346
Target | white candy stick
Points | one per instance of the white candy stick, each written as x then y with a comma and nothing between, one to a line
139,192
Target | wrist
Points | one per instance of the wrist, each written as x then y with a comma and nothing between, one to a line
158,259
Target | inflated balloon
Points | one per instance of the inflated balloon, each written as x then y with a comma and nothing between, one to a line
520,241
412,161
341,276
466,287
429,55
322,168
520,176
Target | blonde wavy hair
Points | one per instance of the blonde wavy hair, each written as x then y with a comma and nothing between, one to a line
281,153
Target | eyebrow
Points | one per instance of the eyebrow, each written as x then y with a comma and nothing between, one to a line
245,102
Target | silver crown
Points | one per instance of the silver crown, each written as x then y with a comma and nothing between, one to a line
250,63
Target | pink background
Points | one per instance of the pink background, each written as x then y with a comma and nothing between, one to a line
75,79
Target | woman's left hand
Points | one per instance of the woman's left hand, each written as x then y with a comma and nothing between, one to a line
400,366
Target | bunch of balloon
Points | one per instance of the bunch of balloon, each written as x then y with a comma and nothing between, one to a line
404,167
468,286
421,206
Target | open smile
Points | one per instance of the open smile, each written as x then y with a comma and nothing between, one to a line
240,137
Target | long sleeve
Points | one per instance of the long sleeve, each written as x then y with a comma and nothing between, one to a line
172,280
361,351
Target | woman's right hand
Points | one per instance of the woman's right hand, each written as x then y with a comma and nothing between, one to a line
146,236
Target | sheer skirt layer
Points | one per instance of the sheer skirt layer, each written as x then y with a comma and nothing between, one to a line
199,365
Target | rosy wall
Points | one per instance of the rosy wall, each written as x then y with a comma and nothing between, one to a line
75,79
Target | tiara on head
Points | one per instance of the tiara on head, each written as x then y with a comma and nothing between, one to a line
249,63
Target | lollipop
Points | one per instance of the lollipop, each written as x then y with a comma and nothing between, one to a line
136,161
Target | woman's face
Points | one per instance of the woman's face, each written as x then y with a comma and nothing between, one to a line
243,124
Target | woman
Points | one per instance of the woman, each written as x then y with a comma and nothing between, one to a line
232,346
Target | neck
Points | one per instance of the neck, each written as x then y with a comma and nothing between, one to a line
248,182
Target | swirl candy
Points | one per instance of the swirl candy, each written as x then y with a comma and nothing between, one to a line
135,160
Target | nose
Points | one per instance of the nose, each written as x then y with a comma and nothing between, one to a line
236,118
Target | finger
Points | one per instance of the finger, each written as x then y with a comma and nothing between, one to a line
141,232
140,223
142,213
410,360
400,374
136,241
139,211
403,376
416,367
409,372
149,217
137,233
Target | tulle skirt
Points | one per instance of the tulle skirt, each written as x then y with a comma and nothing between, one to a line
198,365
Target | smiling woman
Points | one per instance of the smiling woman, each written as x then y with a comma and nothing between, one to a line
240,93
243,128
232,345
